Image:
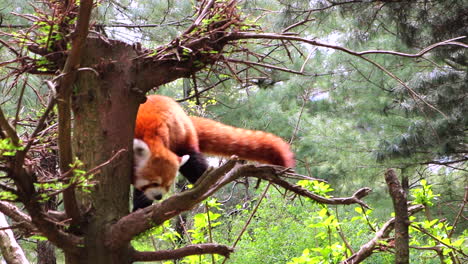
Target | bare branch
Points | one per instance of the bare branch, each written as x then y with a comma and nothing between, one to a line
244,228
18,216
9,247
198,249
367,249
40,123
96,169
272,173
439,240
249,35
460,212
411,91
268,66
129,226
64,90
4,63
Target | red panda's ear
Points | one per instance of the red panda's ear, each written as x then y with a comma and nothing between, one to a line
183,160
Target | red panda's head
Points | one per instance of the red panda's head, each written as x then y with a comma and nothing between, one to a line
155,169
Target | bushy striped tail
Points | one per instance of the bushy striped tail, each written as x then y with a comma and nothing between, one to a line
218,139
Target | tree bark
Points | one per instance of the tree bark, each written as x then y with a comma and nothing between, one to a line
46,253
401,217
45,249
104,110
11,251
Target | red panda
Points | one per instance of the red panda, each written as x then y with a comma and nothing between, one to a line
166,138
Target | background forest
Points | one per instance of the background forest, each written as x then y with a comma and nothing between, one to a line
348,118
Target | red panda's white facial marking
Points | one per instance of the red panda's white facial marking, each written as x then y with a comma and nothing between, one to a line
141,155
153,188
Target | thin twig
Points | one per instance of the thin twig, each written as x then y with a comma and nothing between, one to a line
254,211
296,128
9,129
342,235
249,35
424,231
269,66
40,123
210,235
367,249
460,212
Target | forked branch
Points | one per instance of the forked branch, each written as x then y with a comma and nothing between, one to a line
129,226
21,219
367,249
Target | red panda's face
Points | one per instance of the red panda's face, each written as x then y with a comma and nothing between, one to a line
154,175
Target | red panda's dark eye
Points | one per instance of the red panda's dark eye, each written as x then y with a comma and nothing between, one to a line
139,151
154,184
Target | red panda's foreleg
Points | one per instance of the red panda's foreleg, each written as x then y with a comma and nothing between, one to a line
194,168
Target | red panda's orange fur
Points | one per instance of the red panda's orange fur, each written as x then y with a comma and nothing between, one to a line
163,125
220,139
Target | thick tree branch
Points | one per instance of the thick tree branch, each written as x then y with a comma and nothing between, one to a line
10,249
53,231
64,91
18,216
367,249
38,222
401,217
46,226
129,226
28,196
198,249
24,178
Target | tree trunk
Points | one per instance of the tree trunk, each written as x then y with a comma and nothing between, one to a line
9,248
45,249
104,110
401,217
46,253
